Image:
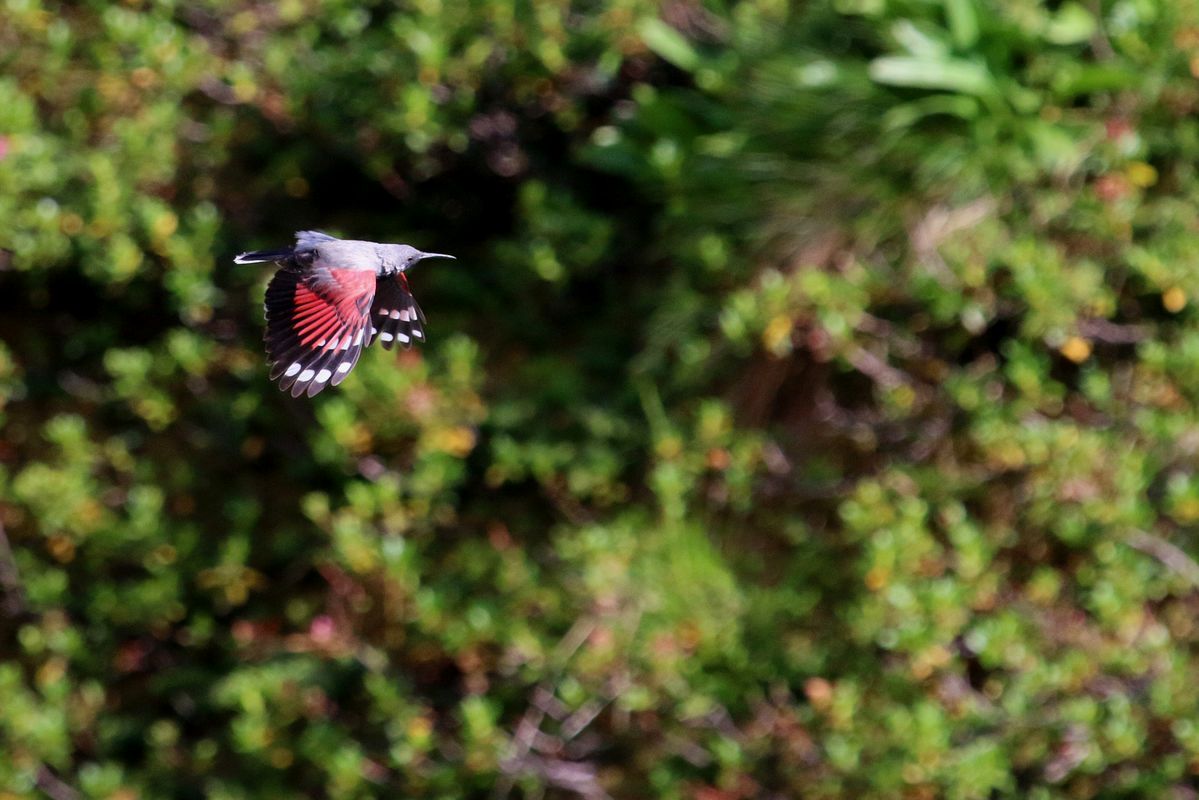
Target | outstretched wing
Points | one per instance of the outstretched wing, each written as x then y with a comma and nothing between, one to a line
395,315
316,321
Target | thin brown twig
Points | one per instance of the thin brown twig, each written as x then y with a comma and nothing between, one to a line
937,225
541,703
876,369
1171,555
573,776
10,579
1108,332
53,786
577,722
573,640
1101,45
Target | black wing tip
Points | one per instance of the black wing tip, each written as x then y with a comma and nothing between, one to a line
396,317
301,370
293,385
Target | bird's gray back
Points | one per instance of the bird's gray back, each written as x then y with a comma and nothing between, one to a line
343,253
307,240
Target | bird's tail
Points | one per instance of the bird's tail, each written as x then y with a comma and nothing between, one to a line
258,256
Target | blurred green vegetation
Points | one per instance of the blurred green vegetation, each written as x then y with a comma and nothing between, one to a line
813,410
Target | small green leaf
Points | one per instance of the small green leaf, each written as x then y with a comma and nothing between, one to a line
1076,79
919,41
1055,148
668,43
1072,24
953,105
963,22
951,74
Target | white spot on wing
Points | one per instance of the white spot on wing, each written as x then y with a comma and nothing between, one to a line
403,337
358,338
385,336
305,376
396,314
418,333
295,367
323,376
344,366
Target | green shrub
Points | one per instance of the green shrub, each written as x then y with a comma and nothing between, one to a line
811,411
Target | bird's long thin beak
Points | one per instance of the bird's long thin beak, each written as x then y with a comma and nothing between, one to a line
423,256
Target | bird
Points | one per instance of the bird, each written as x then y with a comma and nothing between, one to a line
331,298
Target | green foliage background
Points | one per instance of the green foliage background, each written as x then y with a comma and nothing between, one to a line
813,410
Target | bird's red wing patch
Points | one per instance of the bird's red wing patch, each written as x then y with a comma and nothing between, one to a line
317,322
395,316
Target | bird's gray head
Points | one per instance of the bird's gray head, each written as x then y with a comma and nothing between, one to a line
399,257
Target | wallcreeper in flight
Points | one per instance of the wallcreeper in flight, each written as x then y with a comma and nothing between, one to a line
331,298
